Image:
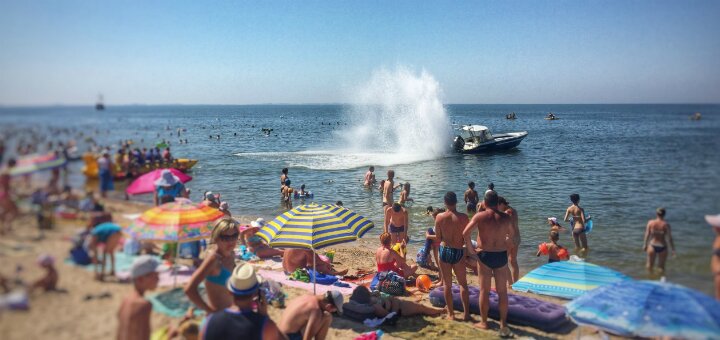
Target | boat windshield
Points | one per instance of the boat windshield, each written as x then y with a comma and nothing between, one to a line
475,132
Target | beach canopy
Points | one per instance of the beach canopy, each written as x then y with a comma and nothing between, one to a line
567,279
145,184
38,162
648,309
181,221
315,226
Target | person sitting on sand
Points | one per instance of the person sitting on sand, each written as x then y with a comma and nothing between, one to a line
256,244
167,188
388,259
396,223
370,177
135,310
309,316
215,269
449,230
471,198
578,216
247,318
303,259
495,232
553,250
384,305
554,225
659,231
49,281
405,195
108,236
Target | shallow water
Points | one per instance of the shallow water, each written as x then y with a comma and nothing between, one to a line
624,161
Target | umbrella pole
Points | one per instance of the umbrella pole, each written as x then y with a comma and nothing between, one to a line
174,271
315,272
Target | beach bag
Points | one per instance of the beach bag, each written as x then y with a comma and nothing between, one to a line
80,256
391,283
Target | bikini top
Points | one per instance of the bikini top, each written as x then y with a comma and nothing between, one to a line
220,279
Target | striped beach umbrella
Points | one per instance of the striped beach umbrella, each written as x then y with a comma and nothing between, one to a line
567,279
175,222
38,162
648,309
313,227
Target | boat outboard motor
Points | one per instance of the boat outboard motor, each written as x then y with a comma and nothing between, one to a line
458,143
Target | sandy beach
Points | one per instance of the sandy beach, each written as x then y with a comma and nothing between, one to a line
68,315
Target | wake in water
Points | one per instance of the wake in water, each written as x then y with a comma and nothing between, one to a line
397,117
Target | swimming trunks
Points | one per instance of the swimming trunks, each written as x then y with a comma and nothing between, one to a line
493,259
658,248
294,336
471,206
450,255
220,279
394,229
578,231
552,260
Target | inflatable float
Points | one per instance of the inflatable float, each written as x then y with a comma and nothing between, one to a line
522,310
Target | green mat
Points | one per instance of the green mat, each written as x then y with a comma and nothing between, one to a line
174,302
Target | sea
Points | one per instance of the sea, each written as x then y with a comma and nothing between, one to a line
624,161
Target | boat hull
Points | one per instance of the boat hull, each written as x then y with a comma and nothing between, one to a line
501,142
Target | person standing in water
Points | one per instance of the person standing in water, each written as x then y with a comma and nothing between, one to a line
494,234
471,198
714,221
503,205
449,230
578,223
396,223
388,189
657,236
370,177
283,178
405,195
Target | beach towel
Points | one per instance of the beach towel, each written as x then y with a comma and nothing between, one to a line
272,263
281,278
522,310
174,302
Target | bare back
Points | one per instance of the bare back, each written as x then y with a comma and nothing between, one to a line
657,229
494,230
449,228
388,192
298,312
134,318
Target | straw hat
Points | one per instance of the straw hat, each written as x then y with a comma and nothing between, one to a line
713,220
167,179
244,281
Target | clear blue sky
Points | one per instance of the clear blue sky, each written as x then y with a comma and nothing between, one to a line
237,52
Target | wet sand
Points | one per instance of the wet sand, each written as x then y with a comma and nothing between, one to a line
67,315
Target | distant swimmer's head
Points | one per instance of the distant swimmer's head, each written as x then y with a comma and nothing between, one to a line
503,202
575,198
385,239
554,235
391,174
406,186
491,186
396,207
372,168
491,199
302,187
285,171
660,212
450,198
287,182
429,209
339,203
471,185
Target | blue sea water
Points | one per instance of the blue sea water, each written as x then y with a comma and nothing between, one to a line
624,161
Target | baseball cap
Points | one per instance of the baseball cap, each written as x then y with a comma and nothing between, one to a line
336,298
143,265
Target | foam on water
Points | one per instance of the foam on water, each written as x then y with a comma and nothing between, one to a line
396,117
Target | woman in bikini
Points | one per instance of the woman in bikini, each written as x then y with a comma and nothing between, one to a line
405,194
216,269
396,222
657,235
578,223
8,209
714,221
387,259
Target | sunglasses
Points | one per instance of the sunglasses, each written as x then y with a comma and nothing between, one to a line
229,238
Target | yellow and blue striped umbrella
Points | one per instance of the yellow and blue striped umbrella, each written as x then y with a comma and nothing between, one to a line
315,226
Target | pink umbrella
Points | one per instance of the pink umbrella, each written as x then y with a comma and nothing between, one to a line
145,184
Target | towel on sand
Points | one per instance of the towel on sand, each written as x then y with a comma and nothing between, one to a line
321,289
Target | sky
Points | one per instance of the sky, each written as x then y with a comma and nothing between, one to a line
66,52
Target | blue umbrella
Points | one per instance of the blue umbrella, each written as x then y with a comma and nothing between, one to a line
567,279
648,309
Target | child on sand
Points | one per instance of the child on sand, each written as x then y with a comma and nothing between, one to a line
50,280
553,250
134,313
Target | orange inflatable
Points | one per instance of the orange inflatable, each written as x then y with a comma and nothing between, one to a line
423,283
563,254
543,248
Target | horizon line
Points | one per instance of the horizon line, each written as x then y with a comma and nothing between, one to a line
28,106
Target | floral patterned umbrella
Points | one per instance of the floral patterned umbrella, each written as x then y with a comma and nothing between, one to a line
38,162
175,222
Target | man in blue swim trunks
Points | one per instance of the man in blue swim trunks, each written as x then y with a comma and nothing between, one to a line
495,232
449,230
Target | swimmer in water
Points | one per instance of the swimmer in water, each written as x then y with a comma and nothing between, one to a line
657,236
554,225
404,195
471,198
553,250
370,177
396,223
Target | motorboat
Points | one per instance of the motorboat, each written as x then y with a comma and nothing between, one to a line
478,139
511,116
551,116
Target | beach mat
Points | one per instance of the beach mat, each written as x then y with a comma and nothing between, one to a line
281,278
174,302
522,310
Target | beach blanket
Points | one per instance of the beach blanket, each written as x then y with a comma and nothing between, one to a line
272,264
321,289
522,310
567,279
174,302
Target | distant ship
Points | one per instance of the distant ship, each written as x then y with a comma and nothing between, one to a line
99,106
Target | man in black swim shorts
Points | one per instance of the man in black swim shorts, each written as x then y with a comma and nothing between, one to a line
495,233
449,230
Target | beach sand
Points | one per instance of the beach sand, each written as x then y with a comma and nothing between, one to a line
67,315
